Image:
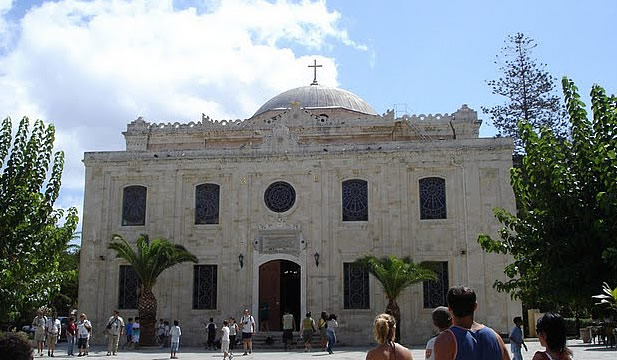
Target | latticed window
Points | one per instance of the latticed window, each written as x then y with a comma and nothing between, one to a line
204,286
432,198
435,291
129,285
355,200
280,196
356,286
134,205
207,204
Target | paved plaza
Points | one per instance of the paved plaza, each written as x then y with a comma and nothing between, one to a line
581,352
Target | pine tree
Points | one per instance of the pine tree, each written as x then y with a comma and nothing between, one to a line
529,90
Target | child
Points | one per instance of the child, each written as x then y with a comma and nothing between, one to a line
516,339
211,334
136,333
225,340
442,320
175,333
129,334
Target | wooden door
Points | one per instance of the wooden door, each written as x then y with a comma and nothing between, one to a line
270,296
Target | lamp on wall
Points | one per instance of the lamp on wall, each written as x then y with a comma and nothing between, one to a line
316,256
241,260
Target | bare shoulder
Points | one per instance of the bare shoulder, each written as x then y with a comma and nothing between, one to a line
539,355
445,346
404,352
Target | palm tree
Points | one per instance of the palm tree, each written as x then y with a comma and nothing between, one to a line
150,260
395,275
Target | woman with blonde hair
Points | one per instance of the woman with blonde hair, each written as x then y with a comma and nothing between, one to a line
385,331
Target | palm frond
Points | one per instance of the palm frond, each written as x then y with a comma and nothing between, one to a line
395,274
151,258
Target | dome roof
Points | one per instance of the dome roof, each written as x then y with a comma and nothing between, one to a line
317,96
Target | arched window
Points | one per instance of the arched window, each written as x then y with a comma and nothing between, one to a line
207,204
432,198
134,205
355,200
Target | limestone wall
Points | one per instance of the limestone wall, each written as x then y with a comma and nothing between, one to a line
476,174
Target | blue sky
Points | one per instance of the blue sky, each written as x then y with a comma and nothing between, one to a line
91,67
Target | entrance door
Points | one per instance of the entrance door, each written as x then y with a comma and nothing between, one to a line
279,289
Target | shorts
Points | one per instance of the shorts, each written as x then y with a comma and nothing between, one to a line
52,339
307,335
225,345
247,335
287,335
175,345
135,338
82,342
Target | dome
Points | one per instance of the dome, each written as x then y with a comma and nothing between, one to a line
316,97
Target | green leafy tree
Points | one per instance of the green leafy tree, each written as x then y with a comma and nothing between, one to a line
31,240
149,261
563,238
395,275
529,91
65,299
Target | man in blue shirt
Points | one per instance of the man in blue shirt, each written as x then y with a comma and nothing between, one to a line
466,339
516,339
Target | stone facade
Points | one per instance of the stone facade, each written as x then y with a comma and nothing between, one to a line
315,150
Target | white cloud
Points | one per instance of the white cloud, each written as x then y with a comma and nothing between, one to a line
91,67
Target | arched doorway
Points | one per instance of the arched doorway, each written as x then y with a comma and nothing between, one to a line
279,289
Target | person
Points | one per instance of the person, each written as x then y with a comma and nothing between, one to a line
129,333
384,330
16,346
247,323
211,327
166,334
308,328
264,316
442,321
84,328
225,340
331,326
175,334
323,322
53,330
516,339
289,326
160,333
136,333
70,336
233,331
551,330
114,329
467,339
38,323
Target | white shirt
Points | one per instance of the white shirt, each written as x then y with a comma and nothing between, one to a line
225,336
116,325
332,324
233,328
54,326
82,331
175,333
429,353
248,323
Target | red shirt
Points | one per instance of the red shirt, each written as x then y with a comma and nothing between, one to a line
70,328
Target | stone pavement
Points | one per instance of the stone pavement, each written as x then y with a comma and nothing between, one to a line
581,352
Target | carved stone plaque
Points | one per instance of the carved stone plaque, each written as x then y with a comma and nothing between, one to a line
279,241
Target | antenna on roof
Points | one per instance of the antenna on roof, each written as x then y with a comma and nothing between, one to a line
315,66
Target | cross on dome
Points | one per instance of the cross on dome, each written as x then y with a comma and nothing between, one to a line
315,66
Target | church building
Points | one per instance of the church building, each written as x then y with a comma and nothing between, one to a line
277,208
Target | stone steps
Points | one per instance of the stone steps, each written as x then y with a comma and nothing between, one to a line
259,341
